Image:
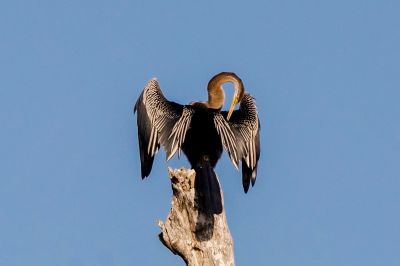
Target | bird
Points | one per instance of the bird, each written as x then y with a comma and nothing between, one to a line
201,130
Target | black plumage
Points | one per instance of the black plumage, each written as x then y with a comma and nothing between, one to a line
201,131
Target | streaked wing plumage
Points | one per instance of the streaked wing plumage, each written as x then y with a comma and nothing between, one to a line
246,127
160,122
228,138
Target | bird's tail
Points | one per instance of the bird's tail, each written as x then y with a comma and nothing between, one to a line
207,189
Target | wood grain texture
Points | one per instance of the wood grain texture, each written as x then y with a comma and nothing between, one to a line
200,239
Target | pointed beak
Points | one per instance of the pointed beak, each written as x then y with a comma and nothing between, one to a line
235,100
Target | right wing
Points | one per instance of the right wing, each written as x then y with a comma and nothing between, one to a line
246,126
160,122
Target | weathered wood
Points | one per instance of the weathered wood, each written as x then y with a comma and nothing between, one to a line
200,239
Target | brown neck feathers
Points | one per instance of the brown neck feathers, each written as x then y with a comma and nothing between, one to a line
216,95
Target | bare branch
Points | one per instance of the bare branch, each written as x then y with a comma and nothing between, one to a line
201,239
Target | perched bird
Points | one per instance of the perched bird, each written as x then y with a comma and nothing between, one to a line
201,130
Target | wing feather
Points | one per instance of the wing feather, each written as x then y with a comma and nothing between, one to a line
160,122
246,126
228,138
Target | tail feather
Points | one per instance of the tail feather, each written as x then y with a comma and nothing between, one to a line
208,191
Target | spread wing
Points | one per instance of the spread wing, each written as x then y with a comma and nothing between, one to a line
228,138
246,126
160,122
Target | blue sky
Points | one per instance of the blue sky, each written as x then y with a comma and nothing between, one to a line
326,77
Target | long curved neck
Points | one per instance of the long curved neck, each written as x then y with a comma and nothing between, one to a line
216,94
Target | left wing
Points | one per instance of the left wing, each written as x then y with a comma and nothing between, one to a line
160,122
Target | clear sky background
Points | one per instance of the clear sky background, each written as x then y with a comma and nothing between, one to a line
326,77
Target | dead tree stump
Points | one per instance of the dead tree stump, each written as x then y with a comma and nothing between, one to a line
201,239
